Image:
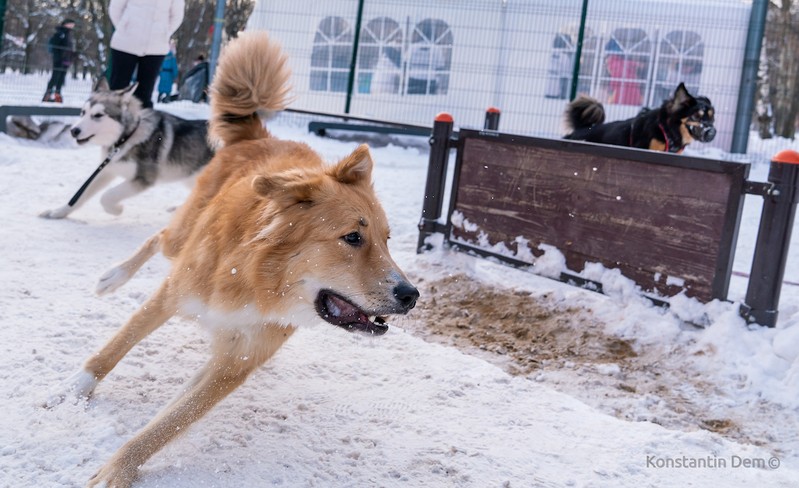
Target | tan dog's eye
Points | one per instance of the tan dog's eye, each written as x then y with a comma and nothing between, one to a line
353,239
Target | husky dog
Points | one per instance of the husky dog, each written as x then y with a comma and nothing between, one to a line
679,121
144,147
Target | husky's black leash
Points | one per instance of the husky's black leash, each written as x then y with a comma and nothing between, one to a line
114,149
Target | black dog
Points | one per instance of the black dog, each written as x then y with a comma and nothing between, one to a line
679,121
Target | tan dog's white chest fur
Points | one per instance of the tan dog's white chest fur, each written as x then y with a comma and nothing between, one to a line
247,318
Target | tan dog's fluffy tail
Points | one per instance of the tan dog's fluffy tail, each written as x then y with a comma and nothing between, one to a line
252,75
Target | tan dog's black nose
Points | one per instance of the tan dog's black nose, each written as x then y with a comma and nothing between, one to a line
406,294
75,132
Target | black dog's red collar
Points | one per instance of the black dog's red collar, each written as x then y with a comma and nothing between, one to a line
670,146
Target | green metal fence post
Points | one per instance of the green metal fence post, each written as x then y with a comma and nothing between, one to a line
746,92
578,53
356,41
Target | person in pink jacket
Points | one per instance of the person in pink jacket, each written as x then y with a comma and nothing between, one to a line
142,30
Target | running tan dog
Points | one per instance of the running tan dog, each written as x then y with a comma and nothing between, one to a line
270,239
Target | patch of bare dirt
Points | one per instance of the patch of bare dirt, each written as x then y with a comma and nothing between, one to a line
529,330
568,348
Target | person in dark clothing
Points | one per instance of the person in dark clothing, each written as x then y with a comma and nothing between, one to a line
194,86
62,49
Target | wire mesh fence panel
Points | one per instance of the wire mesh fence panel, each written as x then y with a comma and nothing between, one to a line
415,58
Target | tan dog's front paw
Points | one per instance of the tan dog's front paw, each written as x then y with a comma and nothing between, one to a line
79,386
112,279
117,473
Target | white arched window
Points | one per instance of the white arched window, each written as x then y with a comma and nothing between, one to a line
429,58
331,55
561,64
680,59
380,56
624,77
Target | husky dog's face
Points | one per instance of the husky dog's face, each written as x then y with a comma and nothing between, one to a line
106,115
696,115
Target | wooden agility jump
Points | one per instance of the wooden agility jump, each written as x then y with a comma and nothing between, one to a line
668,222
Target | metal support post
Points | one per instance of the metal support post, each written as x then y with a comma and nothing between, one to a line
492,119
773,241
436,178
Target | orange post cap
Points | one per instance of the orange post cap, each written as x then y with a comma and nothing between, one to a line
788,156
444,117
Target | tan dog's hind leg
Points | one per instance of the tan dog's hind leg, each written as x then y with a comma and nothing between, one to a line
124,271
234,358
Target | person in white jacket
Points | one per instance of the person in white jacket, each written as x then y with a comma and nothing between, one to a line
142,30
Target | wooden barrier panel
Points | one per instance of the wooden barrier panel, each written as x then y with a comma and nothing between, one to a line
668,222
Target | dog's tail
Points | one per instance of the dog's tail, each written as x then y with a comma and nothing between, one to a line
584,112
252,75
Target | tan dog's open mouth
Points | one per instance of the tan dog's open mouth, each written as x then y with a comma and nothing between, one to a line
336,310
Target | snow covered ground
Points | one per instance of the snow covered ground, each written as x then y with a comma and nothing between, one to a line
336,409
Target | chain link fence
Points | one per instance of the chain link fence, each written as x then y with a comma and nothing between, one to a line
413,58
407,60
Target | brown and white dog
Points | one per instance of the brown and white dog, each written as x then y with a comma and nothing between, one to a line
270,239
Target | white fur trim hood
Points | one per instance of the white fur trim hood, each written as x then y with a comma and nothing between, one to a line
143,27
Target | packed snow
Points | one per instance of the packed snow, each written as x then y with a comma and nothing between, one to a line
338,409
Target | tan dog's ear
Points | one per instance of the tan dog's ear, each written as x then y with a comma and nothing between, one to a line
263,185
288,188
355,168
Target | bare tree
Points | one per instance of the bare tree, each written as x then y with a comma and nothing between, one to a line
782,66
196,33
194,37
94,43
29,23
763,113
237,12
